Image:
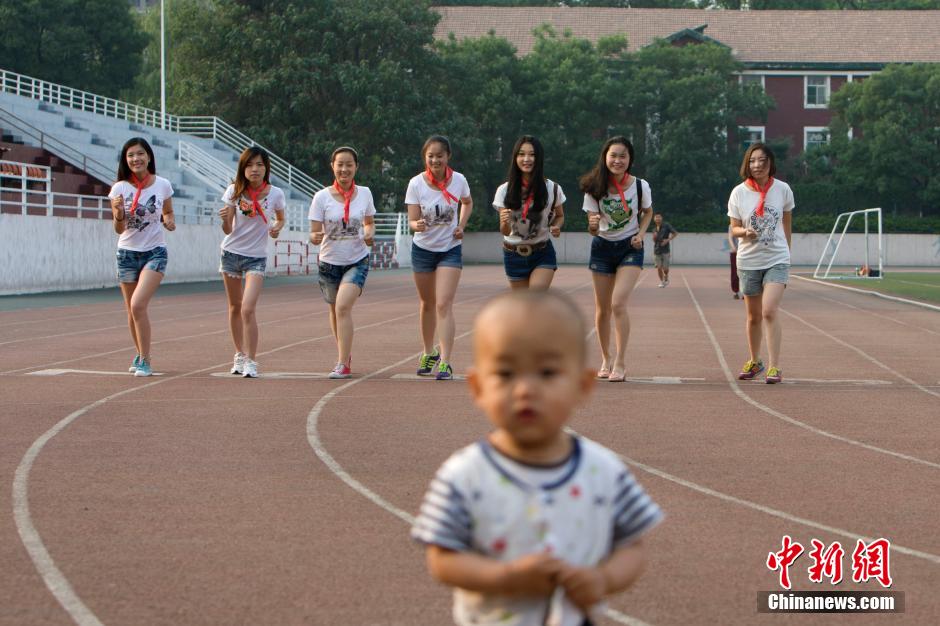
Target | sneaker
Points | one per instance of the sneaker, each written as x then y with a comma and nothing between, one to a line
251,369
427,361
341,370
751,369
143,369
736,296
774,376
238,367
444,371
661,284
666,283
135,364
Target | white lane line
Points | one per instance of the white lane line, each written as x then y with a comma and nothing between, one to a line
55,372
53,577
869,292
927,556
861,353
867,312
736,388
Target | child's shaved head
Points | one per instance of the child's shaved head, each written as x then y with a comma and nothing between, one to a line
567,327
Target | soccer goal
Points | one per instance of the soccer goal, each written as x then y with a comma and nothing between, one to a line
855,252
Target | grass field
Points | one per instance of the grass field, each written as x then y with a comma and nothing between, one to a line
923,286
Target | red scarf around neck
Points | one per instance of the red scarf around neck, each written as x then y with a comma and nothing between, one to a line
759,211
255,205
529,198
619,186
347,198
442,184
140,184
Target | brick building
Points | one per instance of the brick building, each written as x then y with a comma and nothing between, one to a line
799,57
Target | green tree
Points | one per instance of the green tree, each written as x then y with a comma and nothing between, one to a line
92,45
893,160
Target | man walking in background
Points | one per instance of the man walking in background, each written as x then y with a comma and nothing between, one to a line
662,235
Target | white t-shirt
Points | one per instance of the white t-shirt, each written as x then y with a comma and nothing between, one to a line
142,228
525,230
343,244
618,222
249,236
770,248
441,216
482,502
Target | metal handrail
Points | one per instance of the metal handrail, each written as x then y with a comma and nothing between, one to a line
199,126
60,148
205,166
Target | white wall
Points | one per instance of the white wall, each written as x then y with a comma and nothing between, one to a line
39,253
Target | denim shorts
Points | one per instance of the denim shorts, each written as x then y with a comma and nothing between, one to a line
753,281
423,261
131,263
607,256
237,265
332,276
520,267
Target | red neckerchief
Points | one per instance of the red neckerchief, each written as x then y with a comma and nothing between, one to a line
619,186
530,197
759,211
347,197
255,205
442,184
140,184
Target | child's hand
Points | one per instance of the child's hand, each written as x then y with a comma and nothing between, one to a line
750,234
169,222
117,208
316,238
274,232
458,233
505,216
555,231
420,225
584,586
227,212
368,240
533,574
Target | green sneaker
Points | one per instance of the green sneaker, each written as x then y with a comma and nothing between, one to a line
444,371
135,364
144,368
427,361
751,369
774,376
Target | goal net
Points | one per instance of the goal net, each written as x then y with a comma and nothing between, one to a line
855,251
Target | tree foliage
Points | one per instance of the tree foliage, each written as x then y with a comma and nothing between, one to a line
92,45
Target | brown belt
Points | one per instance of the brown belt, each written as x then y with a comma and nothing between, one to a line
524,249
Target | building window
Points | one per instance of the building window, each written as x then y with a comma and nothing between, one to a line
814,136
749,135
817,92
752,79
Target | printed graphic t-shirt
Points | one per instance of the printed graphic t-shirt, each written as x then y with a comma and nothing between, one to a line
343,242
527,230
142,228
619,222
442,216
249,236
770,248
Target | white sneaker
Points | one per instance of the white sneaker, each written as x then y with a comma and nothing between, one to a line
666,283
251,368
238,367
661,284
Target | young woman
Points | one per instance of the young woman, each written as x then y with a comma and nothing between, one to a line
342,224
253,211
619,208
760,210
140,202
530,208
439,205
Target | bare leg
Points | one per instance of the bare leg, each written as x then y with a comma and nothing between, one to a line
519,284
541,278
773,294
603,292
345,298
447,279
426,282
140,301
754,328
233,290
127,290
624,283
253,284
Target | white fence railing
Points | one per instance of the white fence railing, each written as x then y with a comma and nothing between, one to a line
204,166
199,126
63,150
24,174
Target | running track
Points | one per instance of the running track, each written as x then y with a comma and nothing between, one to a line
191,498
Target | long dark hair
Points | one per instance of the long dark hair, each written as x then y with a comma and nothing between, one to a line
241,181
514,198
124,170
595,182
746,161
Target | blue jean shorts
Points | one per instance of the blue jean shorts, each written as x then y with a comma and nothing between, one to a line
131,263
607,256
520,267
753,281
332,276
423,261
238,265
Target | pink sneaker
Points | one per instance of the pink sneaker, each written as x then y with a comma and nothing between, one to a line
342,370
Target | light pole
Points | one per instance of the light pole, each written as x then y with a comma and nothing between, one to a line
162,66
